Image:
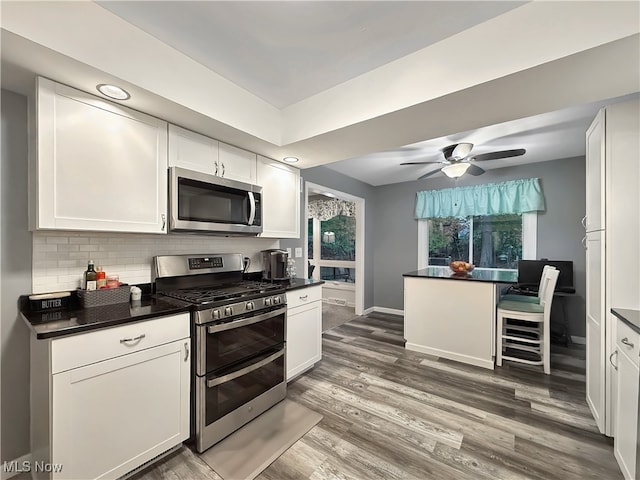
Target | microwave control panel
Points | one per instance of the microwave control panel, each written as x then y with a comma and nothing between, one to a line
205,262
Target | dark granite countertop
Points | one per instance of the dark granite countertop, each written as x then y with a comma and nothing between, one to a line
297,283
477,275
58,323
628,316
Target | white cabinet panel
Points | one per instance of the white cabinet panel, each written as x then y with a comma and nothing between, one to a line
627,400
280,199
237,164
100,166
595,154
192,151
304,329
112,416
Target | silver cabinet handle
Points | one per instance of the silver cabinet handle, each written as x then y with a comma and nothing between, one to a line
217,381
584,221
304,297
134,339
186,351
216,172
584,242
626,341
611,359
222,175
164,221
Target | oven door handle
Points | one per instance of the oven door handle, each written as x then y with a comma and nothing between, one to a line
227,378
252,204
244,322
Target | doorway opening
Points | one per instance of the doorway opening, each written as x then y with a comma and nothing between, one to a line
334,247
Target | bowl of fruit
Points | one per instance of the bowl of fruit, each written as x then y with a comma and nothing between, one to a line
460,267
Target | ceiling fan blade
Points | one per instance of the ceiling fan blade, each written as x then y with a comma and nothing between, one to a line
428,174
417,163
501,154
475,170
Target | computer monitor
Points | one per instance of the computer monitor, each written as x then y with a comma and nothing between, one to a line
530,271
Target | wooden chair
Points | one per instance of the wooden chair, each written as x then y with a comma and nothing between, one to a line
530,298
524,326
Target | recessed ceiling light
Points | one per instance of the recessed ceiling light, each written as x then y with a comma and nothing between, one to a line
114,92
290,159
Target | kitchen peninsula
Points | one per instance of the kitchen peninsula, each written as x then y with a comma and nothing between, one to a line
451,315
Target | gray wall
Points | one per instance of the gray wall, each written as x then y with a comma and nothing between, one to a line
15,249
336,181
395,240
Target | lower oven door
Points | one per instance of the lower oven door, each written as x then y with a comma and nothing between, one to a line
229,399
221,345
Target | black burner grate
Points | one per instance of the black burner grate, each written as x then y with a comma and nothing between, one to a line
219,293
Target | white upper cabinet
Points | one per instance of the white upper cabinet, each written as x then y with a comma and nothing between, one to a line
100,166
197,152
237,164
280,198
192,151
594,219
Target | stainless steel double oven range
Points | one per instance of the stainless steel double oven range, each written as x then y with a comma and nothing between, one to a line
238,338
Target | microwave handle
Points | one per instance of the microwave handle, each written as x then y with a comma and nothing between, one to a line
252,203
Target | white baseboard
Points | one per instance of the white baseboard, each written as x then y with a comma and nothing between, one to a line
390,311
579,340
458,357
12,468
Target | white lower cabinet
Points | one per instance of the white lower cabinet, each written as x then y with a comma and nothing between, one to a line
626,419
124,402
304,329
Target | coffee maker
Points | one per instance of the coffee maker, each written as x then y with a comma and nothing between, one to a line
274,264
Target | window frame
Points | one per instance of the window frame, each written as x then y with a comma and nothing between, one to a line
529,241
318,262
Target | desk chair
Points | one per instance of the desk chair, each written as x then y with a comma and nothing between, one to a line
525,326
528,298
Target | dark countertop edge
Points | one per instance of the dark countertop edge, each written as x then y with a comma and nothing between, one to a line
628,316
424,274
299,283
160,311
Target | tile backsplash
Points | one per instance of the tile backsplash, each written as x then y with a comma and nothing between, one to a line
60,257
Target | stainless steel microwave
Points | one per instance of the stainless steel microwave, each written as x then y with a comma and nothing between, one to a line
200,202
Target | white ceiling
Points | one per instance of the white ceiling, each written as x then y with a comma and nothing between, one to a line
329,81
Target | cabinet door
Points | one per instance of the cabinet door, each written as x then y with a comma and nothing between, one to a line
595,155
100,166
595,350
192,151
112,416
304,337
237,164
280,199
626,414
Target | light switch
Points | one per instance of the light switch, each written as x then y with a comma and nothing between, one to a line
289,252
298,252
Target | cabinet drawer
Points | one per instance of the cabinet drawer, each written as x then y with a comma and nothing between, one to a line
84,349
303,296
628,341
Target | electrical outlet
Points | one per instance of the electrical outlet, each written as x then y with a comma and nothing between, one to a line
289,252
298,252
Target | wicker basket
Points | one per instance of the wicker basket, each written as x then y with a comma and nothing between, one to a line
104,296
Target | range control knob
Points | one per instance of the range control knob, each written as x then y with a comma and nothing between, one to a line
228,311
276,300
215,314
249,306
267,302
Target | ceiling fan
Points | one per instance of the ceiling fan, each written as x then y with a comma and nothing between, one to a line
457,160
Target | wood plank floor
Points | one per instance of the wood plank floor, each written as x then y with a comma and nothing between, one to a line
395,414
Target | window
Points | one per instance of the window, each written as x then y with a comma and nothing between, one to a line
332,247
488,241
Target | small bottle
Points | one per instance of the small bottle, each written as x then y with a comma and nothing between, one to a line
90,277
101,279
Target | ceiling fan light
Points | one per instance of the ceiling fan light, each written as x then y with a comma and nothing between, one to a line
455,170
461,151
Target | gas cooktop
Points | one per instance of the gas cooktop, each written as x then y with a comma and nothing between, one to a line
219,293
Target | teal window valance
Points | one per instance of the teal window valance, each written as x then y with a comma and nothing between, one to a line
518,196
